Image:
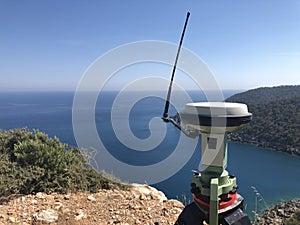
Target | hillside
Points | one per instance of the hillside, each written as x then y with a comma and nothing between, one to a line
276,118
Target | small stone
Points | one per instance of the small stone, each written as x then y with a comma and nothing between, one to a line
138,222
58,205
49,198
40,195
12,219
114,196
91,198
80,215
176,203
176,210
65,210
280,212
142,197
46,216
67,197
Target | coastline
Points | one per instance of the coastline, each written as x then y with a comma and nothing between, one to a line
245,139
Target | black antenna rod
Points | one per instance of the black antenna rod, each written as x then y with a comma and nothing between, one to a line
165,115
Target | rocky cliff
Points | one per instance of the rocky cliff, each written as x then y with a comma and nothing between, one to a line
279,213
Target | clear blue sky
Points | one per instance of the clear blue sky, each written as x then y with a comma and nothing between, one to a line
47,45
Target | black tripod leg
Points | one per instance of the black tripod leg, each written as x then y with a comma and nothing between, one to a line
237,217
191,215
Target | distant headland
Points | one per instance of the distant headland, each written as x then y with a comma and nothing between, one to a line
276,118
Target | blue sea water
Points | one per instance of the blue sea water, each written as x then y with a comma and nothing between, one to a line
275,175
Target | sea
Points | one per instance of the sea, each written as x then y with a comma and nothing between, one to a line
265,177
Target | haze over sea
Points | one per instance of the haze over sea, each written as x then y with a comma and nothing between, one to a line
275,175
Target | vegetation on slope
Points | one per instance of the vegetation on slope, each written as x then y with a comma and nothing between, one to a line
294,220
266,94
32,162
276,118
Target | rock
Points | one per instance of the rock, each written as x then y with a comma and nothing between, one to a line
46,216
58,205
176,210
176,203
114,196
67,197
280,212
49,198
91,198
149,191
80,215
12,219
142,196
40,195
2,216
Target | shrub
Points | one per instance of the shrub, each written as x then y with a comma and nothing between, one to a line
32,162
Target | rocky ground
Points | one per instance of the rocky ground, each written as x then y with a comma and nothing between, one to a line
140,204
279,213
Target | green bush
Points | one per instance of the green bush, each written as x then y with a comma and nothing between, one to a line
294,220
32,162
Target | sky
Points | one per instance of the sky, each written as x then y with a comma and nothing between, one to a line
49,44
